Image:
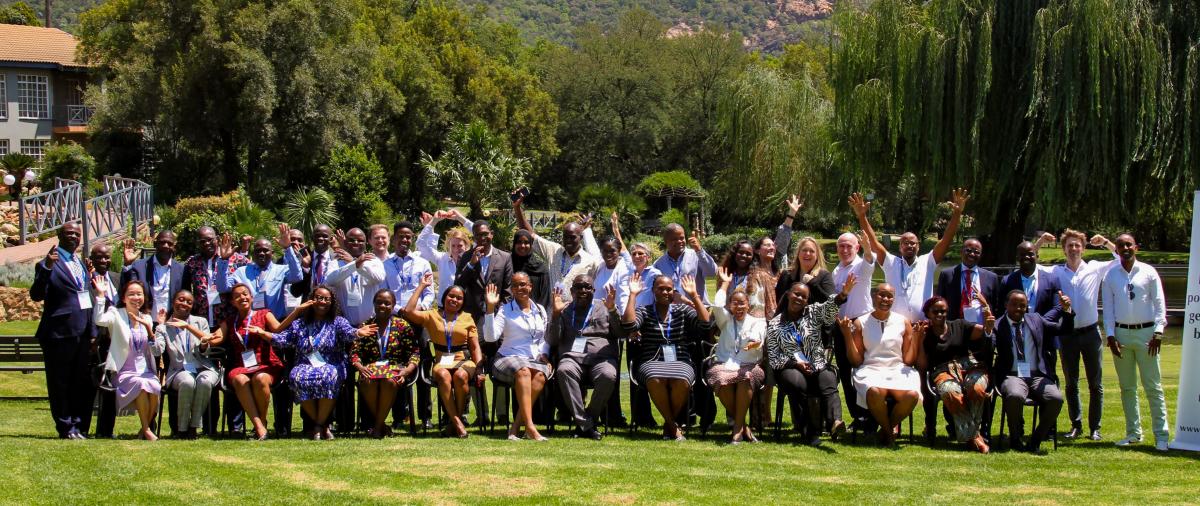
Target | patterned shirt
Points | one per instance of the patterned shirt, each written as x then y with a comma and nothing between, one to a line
781,336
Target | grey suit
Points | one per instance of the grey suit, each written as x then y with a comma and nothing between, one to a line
195,386
598,361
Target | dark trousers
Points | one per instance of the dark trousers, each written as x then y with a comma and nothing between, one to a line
1014,390
845,376
69,383
1087,344
803,390
106,420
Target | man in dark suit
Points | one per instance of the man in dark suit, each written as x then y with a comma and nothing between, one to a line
485,265
1040,287
101,258
958,285
65,333
162,275
320,260
1025,362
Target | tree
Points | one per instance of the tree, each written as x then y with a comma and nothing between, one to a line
68,161
473,166
307,208
1049,111
355,180
19,13
775,129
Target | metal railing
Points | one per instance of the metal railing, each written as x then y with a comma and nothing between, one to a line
125,203
536,219
78,115
45,212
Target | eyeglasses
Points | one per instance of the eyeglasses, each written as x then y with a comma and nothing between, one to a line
1129,288
322,298
972,251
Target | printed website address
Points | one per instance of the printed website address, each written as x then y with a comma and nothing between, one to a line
1185,428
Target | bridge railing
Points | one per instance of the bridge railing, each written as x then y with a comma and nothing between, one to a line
48,211
125,203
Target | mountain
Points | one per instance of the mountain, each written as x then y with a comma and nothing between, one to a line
763,24
63,13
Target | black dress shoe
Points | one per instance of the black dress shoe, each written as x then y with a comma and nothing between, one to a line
1075,432
1015,443
593,434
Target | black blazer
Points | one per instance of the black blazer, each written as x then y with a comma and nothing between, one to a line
820,288
141,272
1045,340
1048,304
949,286
467,276
62,317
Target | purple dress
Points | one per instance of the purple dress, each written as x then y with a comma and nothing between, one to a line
131,381
320,366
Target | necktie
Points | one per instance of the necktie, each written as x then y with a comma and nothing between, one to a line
1020,337
967,291
319,269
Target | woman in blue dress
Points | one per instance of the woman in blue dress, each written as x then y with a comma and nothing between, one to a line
320,339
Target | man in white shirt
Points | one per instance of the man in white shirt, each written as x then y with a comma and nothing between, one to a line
912,275
357,275
567,260
404,269
1080,281
857,304
1135,314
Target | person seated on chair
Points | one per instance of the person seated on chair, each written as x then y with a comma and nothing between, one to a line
883,350
666,330
800,354
320,338
189,373
130,357
523,359
253,363
1025,353
947,353
734,371
385,359
587,335
453,333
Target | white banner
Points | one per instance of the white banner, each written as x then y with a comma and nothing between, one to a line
1187,407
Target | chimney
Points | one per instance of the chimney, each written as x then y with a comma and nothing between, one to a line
48,20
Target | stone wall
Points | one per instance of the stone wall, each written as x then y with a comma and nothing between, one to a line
15,304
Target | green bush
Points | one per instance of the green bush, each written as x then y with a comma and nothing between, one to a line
356,181
68,161
660,182
16,275
602,200
219,204
674,216
307,208
185,230
718,245
251,219
381,213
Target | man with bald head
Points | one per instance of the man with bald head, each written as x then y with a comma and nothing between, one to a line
959,284
679,261
265,278
356,275
65,333
162,275
1037,283
857,304
567,260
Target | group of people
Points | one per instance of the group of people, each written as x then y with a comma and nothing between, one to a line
551,321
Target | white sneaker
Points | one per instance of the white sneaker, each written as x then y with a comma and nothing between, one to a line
1129,440
1160,446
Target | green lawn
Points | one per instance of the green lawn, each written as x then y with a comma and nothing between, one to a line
622,469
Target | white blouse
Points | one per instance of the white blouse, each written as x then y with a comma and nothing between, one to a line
524,332
735,335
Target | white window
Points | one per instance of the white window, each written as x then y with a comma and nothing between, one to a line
34,148
33,97
3,147
3,100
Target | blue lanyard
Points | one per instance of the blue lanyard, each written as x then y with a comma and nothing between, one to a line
666,332
449,328
738,280
797,335
579,330
383,340
676,265
245,336
260,280
535,315
312,336
78,273
566,266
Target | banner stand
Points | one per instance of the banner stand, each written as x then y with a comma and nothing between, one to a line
1187,406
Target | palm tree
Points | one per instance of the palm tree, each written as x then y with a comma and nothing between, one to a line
307,208
475,167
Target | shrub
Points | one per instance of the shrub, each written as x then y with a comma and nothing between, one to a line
380,212
251,219
674,216
602,200
219,204
68,161
356,181
16,275
307,208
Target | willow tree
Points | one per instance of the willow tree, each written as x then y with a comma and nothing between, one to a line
1054,112
774,128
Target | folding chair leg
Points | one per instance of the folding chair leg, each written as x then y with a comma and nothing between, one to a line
779,415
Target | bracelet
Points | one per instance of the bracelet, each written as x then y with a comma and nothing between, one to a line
791,216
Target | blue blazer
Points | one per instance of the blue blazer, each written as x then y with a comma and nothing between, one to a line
949,286
62,317
141,272
1044,334
1047,301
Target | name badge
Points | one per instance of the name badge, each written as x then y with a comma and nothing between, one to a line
316,359
189,367
354,299
85,299
139,363
579,345
535,349
446,360
730,365
381,363
260,300
668,352
799,357
973,314
1023,369
249,361
214,297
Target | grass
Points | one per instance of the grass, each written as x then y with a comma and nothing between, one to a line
621,469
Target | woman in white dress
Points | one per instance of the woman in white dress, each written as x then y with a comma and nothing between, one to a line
883,349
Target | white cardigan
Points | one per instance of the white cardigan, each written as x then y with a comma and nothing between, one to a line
119,332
